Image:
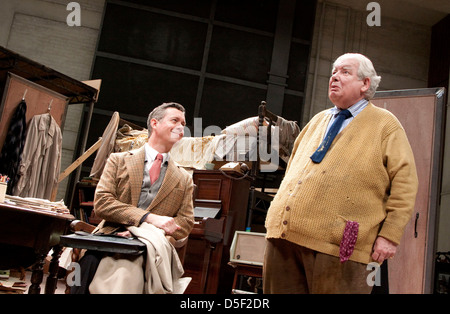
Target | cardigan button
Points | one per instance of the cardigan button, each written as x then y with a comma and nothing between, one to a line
288,208
285,222
283,235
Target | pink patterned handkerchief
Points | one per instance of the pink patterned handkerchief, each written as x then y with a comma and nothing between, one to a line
348,240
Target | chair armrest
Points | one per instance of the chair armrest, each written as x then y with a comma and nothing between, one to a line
180,243
78,225
177,243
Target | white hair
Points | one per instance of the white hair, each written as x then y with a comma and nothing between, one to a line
365,70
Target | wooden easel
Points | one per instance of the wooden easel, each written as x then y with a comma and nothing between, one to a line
95,84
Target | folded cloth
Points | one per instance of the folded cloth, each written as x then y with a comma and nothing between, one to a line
163,269
161,273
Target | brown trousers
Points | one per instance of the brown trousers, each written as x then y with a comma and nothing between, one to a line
293,269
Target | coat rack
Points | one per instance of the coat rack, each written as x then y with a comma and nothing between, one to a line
43,89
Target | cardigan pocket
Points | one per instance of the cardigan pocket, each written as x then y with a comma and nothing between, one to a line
345,234
348,241
337,229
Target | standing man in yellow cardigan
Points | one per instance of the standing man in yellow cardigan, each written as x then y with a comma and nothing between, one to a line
346,199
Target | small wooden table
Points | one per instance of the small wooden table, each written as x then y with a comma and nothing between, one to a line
23,228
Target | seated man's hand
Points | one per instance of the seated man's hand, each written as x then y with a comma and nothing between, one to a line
166,223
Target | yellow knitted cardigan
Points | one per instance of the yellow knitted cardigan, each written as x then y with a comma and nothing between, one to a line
368,175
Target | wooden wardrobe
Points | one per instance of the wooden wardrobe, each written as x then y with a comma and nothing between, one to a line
422,114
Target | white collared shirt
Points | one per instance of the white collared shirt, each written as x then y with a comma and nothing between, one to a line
149,190
150,156
354,110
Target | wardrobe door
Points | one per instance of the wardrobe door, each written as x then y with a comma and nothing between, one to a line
420,112
39,100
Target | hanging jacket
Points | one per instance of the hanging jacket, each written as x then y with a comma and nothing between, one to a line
41,158
10,155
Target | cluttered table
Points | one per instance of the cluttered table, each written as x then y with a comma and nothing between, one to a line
29,229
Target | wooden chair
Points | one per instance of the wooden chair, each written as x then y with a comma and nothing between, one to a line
82,238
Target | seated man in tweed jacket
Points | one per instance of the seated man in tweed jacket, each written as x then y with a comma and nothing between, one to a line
125,195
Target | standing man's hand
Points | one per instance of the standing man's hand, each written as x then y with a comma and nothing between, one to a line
166,223
383,249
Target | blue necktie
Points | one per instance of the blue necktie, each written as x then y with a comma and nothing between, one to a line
332,132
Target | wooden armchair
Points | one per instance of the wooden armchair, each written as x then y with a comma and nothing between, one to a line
82,238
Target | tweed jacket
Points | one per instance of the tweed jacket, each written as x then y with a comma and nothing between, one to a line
119,188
